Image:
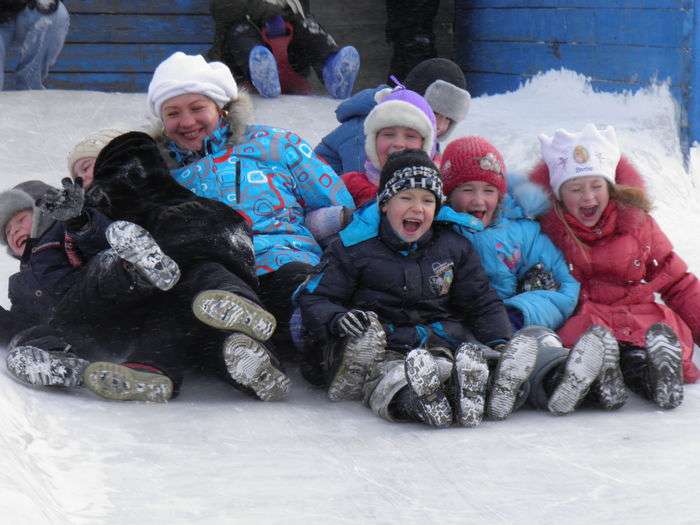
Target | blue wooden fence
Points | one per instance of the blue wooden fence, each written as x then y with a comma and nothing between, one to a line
619,44
115,45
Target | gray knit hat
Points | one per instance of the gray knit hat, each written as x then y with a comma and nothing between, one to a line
442,83
22,197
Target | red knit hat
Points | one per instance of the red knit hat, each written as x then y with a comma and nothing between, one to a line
472,158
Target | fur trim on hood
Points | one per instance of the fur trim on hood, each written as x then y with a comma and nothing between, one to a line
240,116
531,198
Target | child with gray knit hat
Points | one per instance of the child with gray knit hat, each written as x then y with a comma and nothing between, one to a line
73,264
439,80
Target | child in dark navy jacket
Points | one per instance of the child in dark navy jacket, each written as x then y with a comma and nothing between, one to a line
66,263
401,305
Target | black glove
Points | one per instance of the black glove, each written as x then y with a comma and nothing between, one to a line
537,278
353,323
66,204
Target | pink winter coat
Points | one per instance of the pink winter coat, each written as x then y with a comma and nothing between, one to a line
628,259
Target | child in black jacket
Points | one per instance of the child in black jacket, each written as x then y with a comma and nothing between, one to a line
401,304
69,275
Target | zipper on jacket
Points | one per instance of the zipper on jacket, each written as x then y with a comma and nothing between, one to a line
238,181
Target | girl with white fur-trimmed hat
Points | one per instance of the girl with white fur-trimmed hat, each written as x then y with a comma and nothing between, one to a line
600,219
402,119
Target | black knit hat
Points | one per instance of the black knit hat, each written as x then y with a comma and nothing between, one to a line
409,169
442,83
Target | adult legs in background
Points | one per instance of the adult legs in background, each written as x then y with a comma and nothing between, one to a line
409,27
40,37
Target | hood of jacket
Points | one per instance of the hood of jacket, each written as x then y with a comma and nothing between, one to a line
359,105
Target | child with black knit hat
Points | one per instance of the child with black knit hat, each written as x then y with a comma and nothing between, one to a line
439,80
400,303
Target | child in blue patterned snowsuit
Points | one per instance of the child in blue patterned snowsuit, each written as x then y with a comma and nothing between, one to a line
268,175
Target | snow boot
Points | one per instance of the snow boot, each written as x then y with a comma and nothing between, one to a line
358,356
514,368
134,244
123,383
251,367
263,72
583,365
425,390
664,366
34,366
340,72
609,387
229,311
470,376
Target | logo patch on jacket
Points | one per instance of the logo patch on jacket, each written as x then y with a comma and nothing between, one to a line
442,277
509,255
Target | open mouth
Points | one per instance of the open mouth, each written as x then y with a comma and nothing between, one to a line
411,226
479,214
589,212
190,135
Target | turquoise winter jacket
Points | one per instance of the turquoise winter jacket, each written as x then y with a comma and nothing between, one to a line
513,244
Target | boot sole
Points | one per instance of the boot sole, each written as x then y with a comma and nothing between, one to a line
423,378
360,354
134,244
228,311
582,367
665,372
341,79
263,72
121,383
610,385
514,368
34,366
249,365
470,376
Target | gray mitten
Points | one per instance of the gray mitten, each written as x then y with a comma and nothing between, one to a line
64,204
537,278
353,323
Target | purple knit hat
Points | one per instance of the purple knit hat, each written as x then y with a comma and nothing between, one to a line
399,107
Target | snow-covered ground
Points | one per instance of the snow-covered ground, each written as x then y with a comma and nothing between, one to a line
216,456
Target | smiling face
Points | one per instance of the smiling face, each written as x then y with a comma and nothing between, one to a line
477,198
84,168
396,138
410,213
18,230
188,119
585,198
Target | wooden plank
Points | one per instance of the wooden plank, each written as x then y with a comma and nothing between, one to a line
167,29
115,58
634,4
612,63
198,7
110,82
663,28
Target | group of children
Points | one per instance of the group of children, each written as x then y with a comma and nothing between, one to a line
455,291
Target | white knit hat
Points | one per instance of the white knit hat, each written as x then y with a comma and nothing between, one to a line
399,107
587,153
91,145
180,74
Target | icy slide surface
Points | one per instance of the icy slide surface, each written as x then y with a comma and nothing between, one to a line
215,456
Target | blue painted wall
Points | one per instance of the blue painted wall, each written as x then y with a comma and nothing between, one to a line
619,44
114,45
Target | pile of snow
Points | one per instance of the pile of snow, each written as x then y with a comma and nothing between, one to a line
214,455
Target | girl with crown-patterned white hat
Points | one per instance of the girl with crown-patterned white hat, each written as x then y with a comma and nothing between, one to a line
600,220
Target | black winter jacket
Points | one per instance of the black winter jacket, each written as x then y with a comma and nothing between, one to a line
46,272
436,284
